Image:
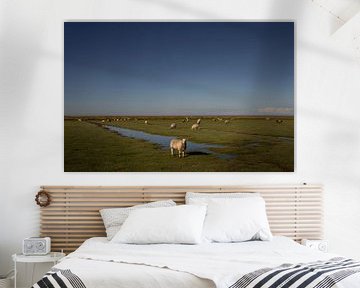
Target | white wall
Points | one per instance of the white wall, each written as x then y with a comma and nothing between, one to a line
31,115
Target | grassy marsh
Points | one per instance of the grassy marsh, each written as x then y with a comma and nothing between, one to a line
259,143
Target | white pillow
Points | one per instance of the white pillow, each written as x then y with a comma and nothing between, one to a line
113,218
236,220
204,198
180,224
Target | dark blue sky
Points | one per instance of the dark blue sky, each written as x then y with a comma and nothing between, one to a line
179,68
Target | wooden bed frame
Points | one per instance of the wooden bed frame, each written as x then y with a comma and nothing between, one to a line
73,215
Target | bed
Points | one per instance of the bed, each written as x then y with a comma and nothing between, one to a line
294,211
99,263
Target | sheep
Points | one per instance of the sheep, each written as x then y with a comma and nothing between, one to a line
178,144
79,120
279,121
198,121
226,121
195,126
146,122
219,119
173,126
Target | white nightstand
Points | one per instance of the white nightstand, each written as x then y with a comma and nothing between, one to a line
320,245
53,257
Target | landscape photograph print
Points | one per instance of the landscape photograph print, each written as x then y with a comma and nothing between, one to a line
179,96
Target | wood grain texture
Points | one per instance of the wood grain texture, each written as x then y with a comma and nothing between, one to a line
73,216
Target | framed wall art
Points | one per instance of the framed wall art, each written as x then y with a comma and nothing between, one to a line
179,96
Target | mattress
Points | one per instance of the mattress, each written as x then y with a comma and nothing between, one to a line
99,263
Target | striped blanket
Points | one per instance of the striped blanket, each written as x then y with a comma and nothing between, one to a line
59,278
319,274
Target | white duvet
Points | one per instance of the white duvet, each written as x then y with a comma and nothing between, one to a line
100,263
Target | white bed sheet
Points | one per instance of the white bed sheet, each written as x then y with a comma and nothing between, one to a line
100,263
106,274
101,274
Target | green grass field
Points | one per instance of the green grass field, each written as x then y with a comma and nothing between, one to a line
258,144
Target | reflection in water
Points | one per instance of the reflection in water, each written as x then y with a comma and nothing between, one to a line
164,141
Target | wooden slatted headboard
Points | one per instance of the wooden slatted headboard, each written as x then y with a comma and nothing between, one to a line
73,215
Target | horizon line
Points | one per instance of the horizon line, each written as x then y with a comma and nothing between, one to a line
181,115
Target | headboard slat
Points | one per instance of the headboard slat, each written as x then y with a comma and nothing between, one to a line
73,216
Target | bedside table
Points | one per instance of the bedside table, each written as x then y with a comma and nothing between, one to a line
320,245
53,257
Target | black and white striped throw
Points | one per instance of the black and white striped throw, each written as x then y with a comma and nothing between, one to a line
59,278
320,274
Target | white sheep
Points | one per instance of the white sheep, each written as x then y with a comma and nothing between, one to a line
178,144
146,122
195,126
173,126
198,121
226,121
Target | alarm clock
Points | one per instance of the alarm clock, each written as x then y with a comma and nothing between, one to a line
36,246
320,245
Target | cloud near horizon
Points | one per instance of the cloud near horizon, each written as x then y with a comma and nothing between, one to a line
277,110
